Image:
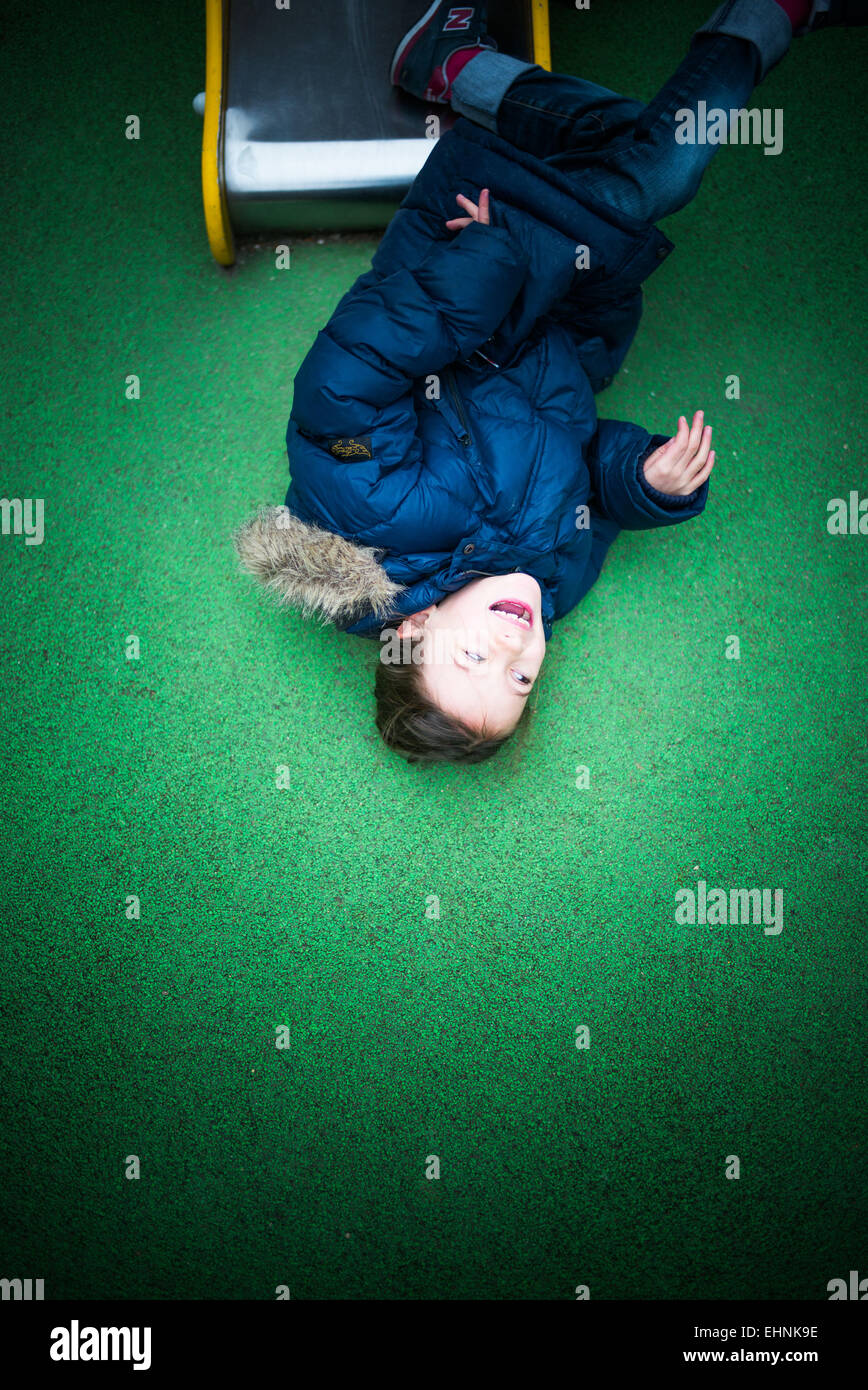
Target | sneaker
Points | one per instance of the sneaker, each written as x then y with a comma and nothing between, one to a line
432,53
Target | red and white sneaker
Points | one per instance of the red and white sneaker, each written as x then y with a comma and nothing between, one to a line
431,54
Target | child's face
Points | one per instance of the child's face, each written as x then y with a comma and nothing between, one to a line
482,648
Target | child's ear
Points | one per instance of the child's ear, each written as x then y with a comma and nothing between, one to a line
414,626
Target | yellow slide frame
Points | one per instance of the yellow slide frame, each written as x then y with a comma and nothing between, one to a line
542,47
217,223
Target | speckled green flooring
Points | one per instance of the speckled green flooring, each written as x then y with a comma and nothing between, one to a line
412,1035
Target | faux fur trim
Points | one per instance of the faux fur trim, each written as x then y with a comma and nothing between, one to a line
306,567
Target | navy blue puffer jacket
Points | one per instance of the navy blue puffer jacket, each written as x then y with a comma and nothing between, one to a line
444,419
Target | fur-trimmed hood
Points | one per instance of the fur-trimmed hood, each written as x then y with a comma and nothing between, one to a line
306,567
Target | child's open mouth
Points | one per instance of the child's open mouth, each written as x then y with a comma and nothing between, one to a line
513,610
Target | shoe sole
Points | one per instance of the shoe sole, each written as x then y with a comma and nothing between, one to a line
409,39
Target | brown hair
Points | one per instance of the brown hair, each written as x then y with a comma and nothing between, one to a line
413,725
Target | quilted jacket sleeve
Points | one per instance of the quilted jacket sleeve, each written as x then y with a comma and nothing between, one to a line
386,333
619,491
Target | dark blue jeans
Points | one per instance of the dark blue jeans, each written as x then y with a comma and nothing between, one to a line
621,151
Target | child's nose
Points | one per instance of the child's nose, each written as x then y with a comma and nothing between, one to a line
509,637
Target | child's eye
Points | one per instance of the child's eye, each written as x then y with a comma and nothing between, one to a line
474,656
523,680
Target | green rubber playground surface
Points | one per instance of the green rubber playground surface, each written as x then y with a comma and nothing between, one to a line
431,939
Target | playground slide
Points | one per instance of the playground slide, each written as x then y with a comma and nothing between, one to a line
302,129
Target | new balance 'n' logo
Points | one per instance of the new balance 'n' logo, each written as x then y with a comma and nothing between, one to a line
459,17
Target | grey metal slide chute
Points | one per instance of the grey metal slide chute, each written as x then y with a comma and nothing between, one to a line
303,130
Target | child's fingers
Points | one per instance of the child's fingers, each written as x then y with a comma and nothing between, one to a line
456,223
704,474
695,433
678,442
693,465
478,212
466,203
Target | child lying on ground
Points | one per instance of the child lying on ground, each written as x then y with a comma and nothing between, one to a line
453,491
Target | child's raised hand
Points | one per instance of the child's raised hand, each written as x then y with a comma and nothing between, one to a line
684,462
477,214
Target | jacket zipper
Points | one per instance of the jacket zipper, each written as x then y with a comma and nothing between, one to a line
453,390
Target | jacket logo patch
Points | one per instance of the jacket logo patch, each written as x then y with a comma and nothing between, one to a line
357,448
